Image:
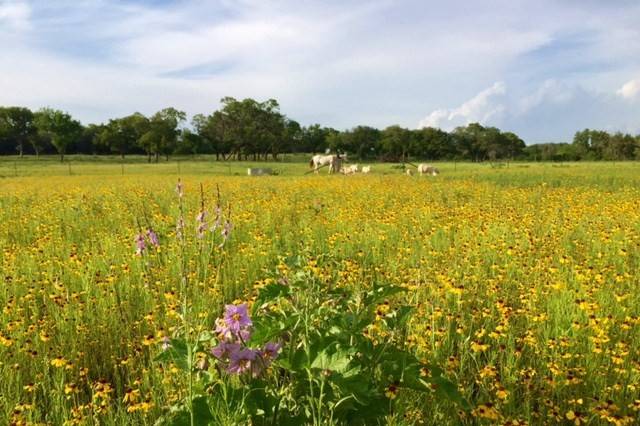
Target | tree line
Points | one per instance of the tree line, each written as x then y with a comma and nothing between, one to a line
248,129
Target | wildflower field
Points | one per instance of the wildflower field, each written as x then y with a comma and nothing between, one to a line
504,295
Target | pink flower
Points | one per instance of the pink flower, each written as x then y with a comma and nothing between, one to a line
224,350
270,351
236,318
201,221
140,244
241,361
153,238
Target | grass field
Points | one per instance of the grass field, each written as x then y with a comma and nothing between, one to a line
523,280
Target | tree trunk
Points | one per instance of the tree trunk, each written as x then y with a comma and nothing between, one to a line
157,156
122,155
62,157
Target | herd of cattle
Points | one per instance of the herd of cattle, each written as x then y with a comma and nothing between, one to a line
337,164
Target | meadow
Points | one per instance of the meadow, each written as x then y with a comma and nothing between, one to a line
522,281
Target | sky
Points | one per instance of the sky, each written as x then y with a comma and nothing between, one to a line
542,69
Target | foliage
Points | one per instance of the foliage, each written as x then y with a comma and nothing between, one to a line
249,129
59,127
307,354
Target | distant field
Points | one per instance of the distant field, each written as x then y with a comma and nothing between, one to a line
515,173
524,279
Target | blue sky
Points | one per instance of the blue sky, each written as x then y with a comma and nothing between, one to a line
543,69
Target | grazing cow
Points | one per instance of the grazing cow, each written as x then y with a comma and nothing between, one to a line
427,169
318,161
366,169
409,172
350,170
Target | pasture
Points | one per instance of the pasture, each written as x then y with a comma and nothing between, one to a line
523,280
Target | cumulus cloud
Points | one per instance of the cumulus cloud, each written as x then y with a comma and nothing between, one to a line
485,107
552,111
630,90
550,92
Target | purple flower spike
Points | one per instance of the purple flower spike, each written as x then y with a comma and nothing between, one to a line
201,222
241,361
153,238
179,189
225,232
237,317
140,244
216,222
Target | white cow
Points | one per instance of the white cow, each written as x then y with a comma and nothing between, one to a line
427,169
366,169
333,161
350,170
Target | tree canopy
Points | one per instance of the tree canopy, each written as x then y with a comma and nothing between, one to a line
250,129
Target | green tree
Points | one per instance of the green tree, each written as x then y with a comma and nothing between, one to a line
121,135
59,127
620,147
431,143
17,126
161,137
363,141
396,142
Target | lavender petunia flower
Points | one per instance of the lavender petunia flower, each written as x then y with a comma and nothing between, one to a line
224,350
222,330
237,318
270,351
241,361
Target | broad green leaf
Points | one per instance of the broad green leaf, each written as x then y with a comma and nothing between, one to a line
337,359
177,353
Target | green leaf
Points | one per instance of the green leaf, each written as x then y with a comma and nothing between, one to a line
336,360
271,292
177,353
201,412
448,390
381,293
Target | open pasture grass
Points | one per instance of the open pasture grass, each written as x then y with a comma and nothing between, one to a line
524,281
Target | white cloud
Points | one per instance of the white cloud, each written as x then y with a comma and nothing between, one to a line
630,90
550,92
15,13
485,107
